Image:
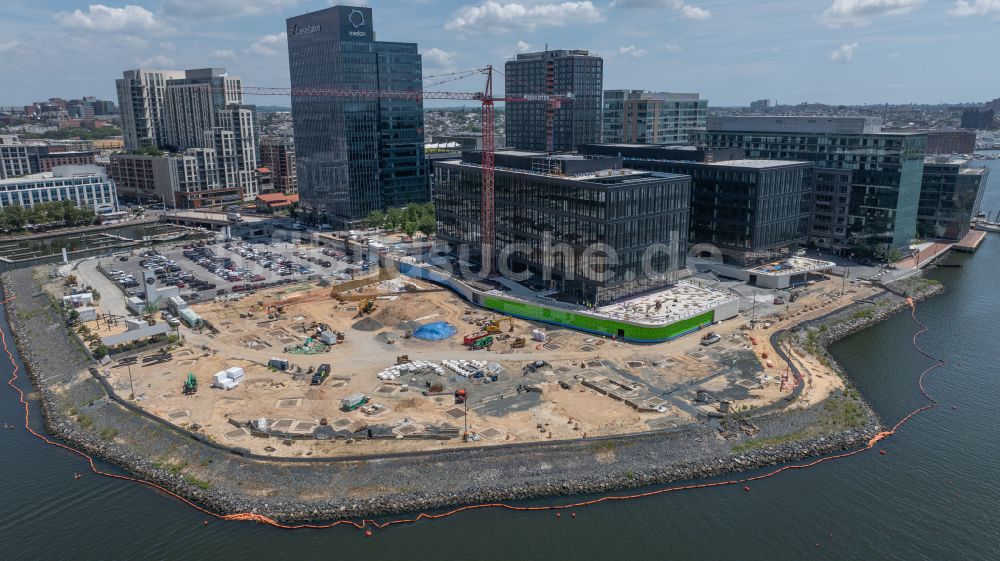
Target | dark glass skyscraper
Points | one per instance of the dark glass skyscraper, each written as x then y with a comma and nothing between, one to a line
354,154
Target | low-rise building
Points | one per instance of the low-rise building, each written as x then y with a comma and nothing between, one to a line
86,186
270,202
949,197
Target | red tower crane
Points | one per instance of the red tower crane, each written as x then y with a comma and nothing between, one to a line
486,97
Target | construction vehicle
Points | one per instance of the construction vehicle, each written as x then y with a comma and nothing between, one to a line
518,343
321,374
483,343
191,384
710,338
273,311
460,396
469,340
366,306
494,325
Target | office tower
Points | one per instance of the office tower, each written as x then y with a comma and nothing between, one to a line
360,154
636,116
949,197
141,97
559,125
574,202
885,171
85,186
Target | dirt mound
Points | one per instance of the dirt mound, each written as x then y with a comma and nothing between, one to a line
367,324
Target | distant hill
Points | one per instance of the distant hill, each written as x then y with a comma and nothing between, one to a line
272,108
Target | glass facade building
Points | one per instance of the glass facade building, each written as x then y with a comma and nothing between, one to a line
749,209
562,73
559,218
949,198
886,167
354,154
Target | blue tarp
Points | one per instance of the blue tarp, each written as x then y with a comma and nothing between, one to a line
436,331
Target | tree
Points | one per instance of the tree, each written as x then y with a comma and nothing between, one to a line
376,219
394,219
410,227
427,225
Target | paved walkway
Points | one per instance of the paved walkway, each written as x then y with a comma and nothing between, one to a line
112,298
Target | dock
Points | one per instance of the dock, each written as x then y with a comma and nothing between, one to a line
971,242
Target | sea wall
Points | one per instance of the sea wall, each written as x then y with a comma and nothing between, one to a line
77,410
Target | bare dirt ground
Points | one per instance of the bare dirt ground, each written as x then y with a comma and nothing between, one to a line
661,378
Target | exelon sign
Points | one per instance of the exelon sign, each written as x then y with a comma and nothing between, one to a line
304,30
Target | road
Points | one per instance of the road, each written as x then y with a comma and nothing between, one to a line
112,297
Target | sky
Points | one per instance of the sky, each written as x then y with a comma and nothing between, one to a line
730,51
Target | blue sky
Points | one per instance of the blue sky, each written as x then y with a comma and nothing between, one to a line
731,51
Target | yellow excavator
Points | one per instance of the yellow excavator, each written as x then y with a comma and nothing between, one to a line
494,325
366,307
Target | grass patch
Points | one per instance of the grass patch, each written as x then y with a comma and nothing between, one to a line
85,421
769,442
863,314
844,412
108,433
199,483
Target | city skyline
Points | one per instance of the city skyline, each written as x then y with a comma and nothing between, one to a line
831,51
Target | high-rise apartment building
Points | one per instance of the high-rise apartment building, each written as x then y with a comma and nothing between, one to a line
277,154
554,125
360,154
141,96
636,116
885,170
192,105
194,109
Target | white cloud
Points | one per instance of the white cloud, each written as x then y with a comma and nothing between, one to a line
502,17
268,44
844,53
686,10
224,8
964,8
159,62
9,46
99,17
671,48
522,47
894,55
857,13
438,58
227,54
168,46
632,51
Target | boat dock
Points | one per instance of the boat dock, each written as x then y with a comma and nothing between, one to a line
971,242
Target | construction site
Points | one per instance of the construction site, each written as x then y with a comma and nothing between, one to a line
384,364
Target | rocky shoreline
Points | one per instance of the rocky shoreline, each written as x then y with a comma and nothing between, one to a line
228,483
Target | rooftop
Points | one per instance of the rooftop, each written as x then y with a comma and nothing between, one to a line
792,266
756,164
59,172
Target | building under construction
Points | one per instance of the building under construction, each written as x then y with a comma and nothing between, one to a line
559,217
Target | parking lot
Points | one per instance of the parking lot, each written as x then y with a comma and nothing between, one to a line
205,270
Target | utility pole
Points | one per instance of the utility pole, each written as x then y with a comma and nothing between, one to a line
843,283
130,383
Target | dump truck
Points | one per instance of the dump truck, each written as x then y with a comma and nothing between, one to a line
518,343
470,339
353,401
190,384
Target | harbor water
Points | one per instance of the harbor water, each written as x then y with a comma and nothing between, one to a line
932,496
